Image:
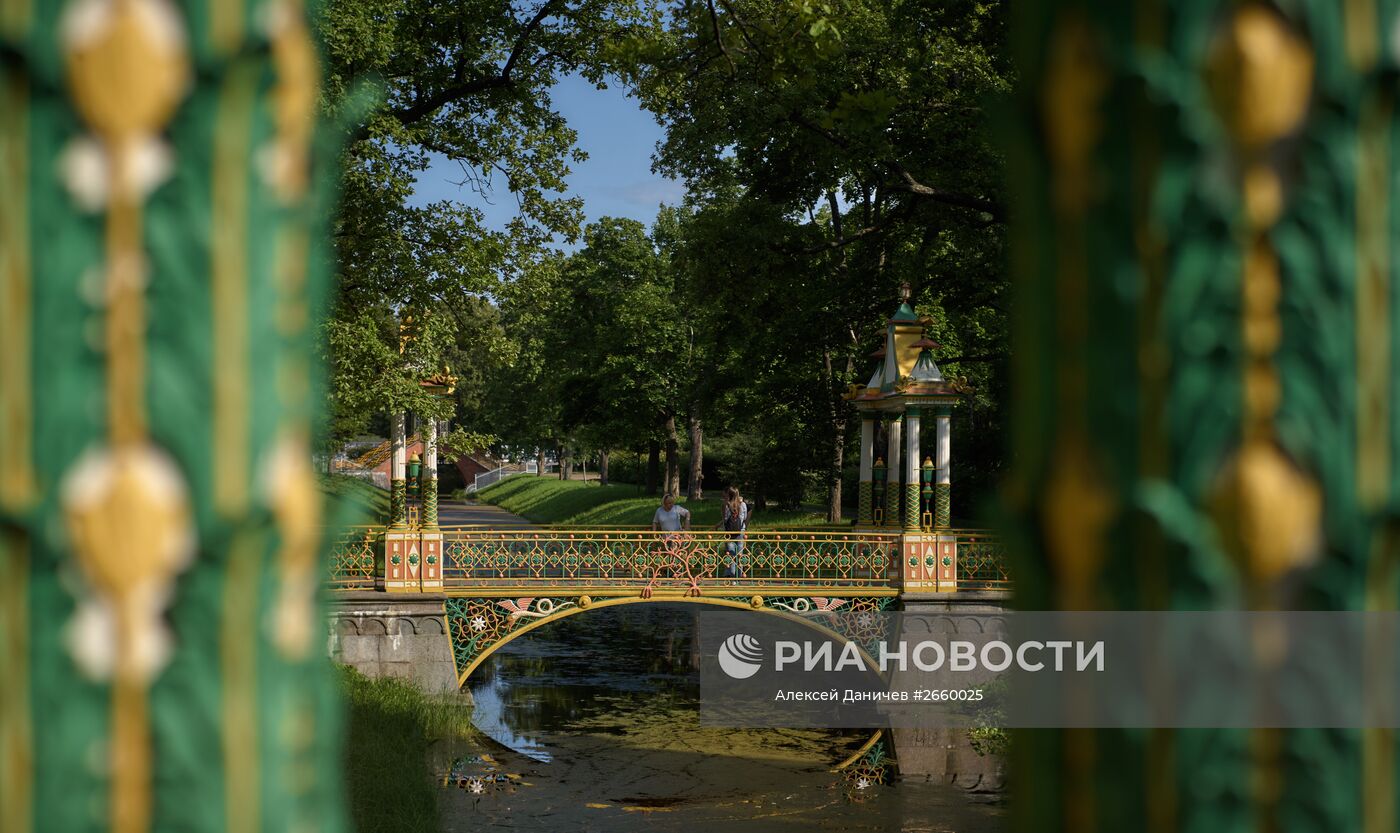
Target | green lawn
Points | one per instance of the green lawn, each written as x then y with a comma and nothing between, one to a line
387,777
362,500
553,502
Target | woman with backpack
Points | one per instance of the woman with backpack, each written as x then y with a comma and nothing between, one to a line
734,517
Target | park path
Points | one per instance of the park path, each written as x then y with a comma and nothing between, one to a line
466,513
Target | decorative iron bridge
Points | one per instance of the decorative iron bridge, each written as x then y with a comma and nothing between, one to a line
500,583
497,584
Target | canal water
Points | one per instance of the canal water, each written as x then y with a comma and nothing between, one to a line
591,723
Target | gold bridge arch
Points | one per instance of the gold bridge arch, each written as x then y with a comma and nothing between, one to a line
459,625
870,760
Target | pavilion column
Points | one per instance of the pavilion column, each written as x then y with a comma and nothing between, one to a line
943,468
430,473
911,469
892,491
398,483
865,514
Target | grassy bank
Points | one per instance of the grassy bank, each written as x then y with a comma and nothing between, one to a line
387,778
549,501
368,503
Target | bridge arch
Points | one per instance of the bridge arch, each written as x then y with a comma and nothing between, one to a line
869,764
481,626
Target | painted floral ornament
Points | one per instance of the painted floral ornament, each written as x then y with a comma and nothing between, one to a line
129,521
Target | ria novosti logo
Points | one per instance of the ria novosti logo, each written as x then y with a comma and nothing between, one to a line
740,656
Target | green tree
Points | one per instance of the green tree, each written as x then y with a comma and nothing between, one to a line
523,399
625,348
838,152
463,83
380,360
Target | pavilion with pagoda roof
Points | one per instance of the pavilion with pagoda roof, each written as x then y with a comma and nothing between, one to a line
906,488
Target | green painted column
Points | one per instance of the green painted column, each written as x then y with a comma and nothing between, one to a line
912,456
163,259
865,510
1204,246
926,502
430,474
880,474
894,494
943,467
398,472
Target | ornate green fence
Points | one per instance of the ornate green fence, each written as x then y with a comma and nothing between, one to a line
629,561
353,557
641,558
981,561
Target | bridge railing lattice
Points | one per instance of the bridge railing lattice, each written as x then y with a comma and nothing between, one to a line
486,559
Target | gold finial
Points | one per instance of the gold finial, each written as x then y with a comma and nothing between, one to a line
1268,511
1260,75
127,67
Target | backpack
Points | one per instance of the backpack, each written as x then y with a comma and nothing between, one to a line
736,521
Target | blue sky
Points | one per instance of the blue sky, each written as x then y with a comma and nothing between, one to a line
616,179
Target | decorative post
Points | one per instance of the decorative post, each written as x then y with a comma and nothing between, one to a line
926,494
864,514
911,470
429,536
943,471
400,545
880,471
398,485
429,475
892,491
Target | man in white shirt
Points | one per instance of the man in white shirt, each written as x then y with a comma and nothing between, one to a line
670,517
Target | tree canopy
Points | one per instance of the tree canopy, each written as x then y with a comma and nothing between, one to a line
830,152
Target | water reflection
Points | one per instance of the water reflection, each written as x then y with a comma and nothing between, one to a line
598,717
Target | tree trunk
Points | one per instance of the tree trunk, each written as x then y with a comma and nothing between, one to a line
603,467
697,457
566,462
838,441
539,463
653,467
673,457
838,455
